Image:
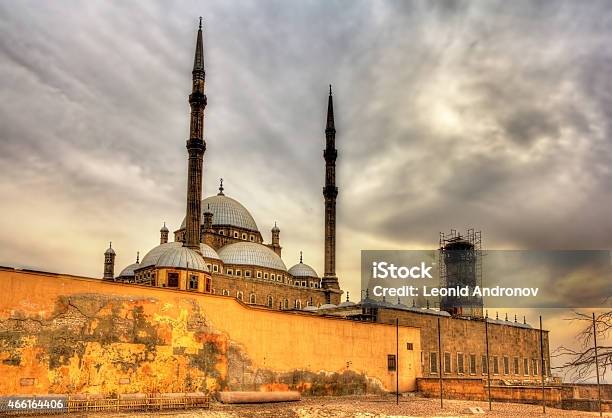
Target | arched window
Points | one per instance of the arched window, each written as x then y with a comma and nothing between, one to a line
239,296
252,298
286,304
225,292
298,304
270,301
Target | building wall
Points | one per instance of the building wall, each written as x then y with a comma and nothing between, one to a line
65,334
463,336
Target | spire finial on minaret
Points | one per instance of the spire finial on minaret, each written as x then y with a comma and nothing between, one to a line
330,113
300,257
198,61
200,27
220,187
330,91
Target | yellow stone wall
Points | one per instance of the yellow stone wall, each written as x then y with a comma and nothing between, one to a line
66,334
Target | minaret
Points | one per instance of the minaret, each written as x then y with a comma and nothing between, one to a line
195,147
109,263
163,234
276,239
330,192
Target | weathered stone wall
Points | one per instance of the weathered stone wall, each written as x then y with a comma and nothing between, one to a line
65,334
466,337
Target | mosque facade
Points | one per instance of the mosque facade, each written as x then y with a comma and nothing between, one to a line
219,248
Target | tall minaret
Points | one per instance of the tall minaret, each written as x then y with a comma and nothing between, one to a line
109,263
330,192
195,147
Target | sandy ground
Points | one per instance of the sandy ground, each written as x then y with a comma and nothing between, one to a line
360,407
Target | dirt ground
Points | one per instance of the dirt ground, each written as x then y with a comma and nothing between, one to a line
361,407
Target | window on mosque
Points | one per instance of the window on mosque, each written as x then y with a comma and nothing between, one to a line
433,363
447,363
534,367
298,304
208,286
235,234
259,274
173,279
239,296
193,282
215,268
526,367
484,364
225,292
247,273
495,365
251,238
272,276
516,365
265,275
472,363
244,236
270,301
460,368
391,363
286,304
252,298
506,365
222,232
238,273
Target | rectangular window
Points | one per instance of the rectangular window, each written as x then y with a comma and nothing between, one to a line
484,364
272,276
247,273
173,279
409,346
215,268
472,363
391,363
265,275
433,363
516,366
506,365
495,365
193,282
230,272
460,368
259,274
238,273
447,363
534,366
545,368
526,367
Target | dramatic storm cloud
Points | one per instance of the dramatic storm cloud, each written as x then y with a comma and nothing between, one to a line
492,115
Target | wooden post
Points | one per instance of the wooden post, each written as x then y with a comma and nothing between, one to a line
397,361
597,365
440,362
488,362
542,366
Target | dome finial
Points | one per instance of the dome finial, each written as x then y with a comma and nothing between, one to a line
110,244
220,187
347,296
300,257
200,27
137,257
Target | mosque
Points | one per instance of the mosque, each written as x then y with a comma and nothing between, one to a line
219,248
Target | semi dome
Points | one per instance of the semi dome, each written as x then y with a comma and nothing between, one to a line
182,257
251,254
303,270
154,255
129,270
227,211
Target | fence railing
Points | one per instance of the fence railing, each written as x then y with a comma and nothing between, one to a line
93,403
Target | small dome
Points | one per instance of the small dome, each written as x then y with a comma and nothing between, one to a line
275,228
110,250
182,257
346,303
164,228
129,270
251,254
328,306
153,256
227,211
303,270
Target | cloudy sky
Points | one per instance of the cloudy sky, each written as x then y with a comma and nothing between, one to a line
492,115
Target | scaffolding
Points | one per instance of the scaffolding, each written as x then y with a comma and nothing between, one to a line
460,264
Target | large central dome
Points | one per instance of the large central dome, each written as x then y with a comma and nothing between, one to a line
227,211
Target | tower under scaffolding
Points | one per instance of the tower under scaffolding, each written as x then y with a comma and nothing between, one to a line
460,263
